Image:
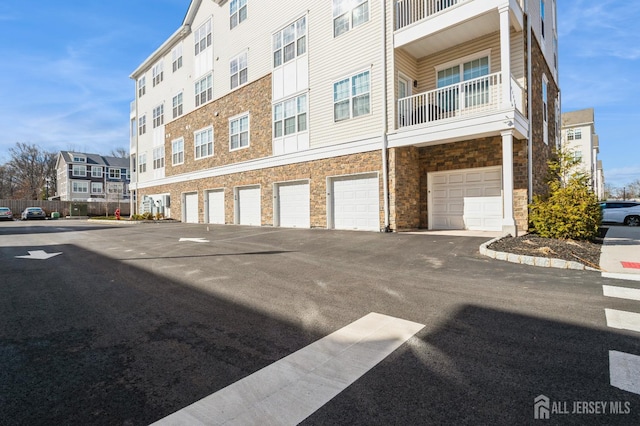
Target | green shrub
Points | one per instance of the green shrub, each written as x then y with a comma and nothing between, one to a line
571,210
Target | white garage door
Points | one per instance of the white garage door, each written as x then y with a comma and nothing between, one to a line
356,202
215,206
191,207
466,199
248,206
292,201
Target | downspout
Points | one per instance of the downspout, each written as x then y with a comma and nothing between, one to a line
385,165
529,107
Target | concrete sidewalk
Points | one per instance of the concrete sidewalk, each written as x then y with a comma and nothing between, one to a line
620,256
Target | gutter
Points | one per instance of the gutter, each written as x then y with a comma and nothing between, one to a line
529,108
385,165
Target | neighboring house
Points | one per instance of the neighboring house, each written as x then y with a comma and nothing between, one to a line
349,115
580,140
92,177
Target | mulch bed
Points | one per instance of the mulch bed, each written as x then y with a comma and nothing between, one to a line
585,252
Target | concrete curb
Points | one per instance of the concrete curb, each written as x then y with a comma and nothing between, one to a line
531,260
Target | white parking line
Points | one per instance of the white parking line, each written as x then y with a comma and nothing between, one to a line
622,319
291,389
624,371
621,292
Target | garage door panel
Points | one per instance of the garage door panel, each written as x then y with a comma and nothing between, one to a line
249,206
294,205
356,202
215,205
470,199
191,207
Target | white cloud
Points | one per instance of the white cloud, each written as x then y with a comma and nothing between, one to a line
619,177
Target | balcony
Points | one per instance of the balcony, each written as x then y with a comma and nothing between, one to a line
423,27
468,99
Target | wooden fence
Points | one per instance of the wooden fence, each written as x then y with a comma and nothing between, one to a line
68,208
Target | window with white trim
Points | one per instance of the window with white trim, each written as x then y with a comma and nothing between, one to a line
351,97
290,116
142,125
348,14
176,58
142,86
81,187
158,157
203,143
142,163
202,37
204,90
96,171
237,12
158,73
114,173
158,116
290,42
177,105
542,13
239,132
79,170
77,158
578,134
96,187
238,70
177,151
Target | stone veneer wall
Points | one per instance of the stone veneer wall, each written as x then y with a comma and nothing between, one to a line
254,98
541,152
404,188
316,172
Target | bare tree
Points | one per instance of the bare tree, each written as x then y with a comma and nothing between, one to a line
119,152
29,167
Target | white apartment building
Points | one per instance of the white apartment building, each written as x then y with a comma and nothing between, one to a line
373,115
579,139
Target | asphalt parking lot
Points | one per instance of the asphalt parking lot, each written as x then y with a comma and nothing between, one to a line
127,324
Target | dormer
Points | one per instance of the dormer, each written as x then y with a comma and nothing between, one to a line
79,158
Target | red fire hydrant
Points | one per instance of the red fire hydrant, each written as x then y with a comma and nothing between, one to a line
118,214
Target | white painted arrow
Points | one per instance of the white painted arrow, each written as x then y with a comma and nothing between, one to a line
38,254
194,240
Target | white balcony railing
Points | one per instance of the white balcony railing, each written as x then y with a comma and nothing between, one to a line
457,100
410,11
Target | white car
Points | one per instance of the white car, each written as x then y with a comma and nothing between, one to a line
627,212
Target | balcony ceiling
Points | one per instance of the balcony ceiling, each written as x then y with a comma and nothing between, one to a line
451,35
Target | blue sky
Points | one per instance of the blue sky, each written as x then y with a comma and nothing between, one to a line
64,78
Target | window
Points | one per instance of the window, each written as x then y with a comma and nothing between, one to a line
134,164
158,116
290,42
239,132
177,148
290,116
158,73
204,143
177,105
577,156
77,158
202,37
96,187
542,17
80,187
204,92
114,173
476,92
176,58
142,163
349,14
158,157
142,86
351,97
570,134
96,171
578,134
238,70
142,125
79,170
237,12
